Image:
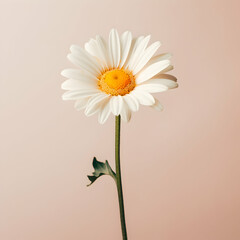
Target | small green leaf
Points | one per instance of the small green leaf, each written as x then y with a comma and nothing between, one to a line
100,168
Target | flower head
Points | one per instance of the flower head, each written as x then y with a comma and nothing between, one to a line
116,77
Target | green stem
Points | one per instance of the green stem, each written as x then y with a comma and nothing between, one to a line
118,176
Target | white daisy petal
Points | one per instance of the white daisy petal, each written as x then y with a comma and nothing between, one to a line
78,75
78,51
77,94
157,105
94,103
143,97
103,51
98,48
146,56
160,57
151,71
116,104
104,113
83,63
125,113
81,103
169,68
152,88
135,43
81,53
140,48
114,48
92,48
165,76
126,40
73,84
132,102
169,84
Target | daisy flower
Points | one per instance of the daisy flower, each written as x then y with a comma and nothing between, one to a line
117,76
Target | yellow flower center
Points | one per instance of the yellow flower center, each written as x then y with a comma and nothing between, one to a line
116,82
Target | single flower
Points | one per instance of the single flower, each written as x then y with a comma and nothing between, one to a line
116,77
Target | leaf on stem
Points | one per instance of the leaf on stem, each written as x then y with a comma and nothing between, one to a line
100,168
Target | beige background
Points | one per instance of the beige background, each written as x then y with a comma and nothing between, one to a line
180,167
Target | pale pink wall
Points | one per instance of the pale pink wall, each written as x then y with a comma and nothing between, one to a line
180,167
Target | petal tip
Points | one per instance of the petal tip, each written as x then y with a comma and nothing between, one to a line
64,97
62,72
73,47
